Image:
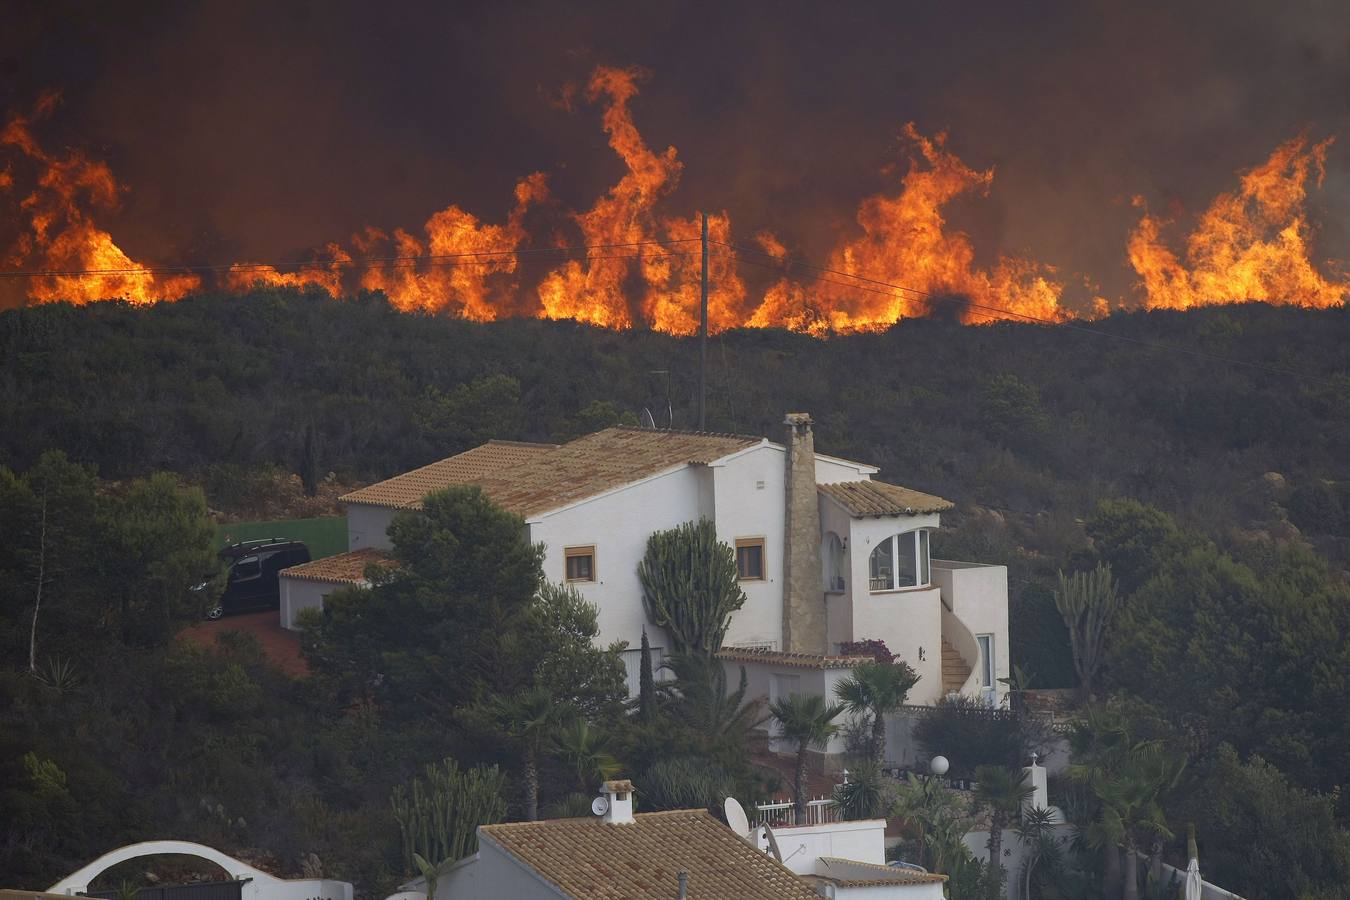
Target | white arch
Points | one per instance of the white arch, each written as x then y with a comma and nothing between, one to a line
78,882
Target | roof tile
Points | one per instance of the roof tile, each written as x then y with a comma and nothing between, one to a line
592,859
344,568
877,498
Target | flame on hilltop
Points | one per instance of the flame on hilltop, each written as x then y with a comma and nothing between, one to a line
1251,244
61,235
634,265
905,241
665,279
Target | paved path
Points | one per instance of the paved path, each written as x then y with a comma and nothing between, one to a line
281,646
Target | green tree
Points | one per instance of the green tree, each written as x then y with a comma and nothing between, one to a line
162,538
443,628
1088,602
528,719
690,585
808,722
877,689
646,704
710,719
482,410
1002,791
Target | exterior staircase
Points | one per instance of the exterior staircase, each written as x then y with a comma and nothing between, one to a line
955,670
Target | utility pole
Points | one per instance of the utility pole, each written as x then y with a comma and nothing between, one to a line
703,334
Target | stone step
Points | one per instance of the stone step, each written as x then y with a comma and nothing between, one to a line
955,670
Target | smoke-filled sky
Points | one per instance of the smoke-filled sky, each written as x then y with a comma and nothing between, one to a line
259,131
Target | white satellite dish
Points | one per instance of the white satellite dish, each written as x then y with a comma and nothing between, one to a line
736,818
773,844
600,806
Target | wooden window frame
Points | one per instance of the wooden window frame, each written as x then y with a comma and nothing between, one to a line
762,544
582,550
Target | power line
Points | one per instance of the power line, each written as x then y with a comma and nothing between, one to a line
363,263
996,312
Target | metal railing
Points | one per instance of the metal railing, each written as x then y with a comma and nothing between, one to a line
781,814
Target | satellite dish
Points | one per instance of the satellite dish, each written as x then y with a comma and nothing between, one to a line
600,806
736,817
773,844
646,420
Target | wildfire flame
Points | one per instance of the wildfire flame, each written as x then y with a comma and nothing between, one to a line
61,235
1251,244
637,265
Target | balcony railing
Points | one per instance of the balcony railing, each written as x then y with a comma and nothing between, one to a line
780,814
880,584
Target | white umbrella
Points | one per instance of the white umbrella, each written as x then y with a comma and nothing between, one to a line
1192,868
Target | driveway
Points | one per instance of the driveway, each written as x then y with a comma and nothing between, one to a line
281,646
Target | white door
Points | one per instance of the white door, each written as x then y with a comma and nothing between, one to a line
987,691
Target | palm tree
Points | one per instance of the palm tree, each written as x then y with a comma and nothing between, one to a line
585,750
877,689
808,722
529,719
698,699
1002,791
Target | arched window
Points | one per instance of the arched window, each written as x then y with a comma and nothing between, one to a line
900,561
832,556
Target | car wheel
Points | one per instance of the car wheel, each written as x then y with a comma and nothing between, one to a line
215,612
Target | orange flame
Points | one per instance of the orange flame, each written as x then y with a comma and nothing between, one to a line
622,224
1251,244
62,237
905,241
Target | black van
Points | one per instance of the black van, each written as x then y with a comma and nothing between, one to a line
253,568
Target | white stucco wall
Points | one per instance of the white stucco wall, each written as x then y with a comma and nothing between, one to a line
618,525
863,841
301,593
750,500
909,620
978,596
832,470
367,526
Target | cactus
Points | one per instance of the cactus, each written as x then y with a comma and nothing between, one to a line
1087,601
690,585
438,814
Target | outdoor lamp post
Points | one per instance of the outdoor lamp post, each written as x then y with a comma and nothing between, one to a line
938,765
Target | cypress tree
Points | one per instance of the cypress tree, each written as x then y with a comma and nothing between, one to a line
646,684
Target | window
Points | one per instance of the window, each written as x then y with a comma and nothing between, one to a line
986,644
246,568
832,555
900,561
580,563
750,558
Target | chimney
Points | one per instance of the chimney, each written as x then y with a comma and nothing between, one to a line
619,809
803,598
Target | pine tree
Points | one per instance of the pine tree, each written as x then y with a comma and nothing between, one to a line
646,684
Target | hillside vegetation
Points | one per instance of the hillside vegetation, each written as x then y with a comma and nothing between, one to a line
1216,492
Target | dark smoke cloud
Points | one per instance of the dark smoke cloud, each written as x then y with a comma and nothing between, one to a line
251,130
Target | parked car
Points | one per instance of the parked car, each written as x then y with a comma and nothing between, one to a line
253,567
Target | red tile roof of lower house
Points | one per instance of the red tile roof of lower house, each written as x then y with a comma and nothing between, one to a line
795,660
345,568
877,498
589,858
883,874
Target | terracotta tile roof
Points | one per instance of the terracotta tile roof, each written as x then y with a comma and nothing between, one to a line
796,660
407,490
345,568
544,477
884,874
877,498
587,858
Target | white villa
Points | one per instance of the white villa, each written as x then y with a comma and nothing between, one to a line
827,554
